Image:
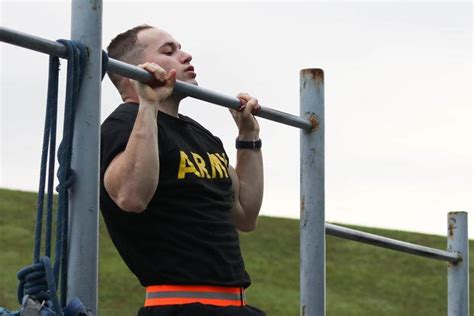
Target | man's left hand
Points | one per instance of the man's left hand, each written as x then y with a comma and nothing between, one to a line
246,123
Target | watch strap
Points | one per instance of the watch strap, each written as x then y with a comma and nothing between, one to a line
253,144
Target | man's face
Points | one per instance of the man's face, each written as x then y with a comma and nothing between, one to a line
162,49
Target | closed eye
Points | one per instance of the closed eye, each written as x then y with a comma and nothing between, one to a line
169,48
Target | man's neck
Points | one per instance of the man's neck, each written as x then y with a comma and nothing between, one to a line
169,106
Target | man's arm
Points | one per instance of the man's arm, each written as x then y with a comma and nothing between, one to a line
247,177
132,177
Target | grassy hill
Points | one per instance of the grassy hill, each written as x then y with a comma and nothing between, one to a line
361,279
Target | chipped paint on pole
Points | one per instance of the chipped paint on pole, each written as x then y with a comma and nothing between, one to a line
458,272
312,219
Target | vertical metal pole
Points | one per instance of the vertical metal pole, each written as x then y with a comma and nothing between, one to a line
312,219
86,27
458,273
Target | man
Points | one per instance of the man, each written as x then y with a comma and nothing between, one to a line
171,201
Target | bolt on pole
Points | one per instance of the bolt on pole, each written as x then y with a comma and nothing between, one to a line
458,272
312,218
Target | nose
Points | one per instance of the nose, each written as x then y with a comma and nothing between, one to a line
185,58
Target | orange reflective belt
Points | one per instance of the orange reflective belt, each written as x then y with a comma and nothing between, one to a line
157,295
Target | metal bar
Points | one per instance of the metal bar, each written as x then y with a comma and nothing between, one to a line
32,42
392,244
458,273
312,229
115,66
86,27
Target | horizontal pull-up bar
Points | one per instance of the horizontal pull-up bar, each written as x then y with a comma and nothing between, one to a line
390,243
115,66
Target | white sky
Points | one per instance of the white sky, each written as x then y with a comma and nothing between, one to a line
398,87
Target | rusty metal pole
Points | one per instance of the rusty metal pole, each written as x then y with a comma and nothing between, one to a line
458,272
312,219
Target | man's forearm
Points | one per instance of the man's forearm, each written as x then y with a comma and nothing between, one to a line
249,169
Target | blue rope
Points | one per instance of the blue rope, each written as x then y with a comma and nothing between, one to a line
49,137
53,91
40,280
77,57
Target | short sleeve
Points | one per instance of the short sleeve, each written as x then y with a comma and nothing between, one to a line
115,132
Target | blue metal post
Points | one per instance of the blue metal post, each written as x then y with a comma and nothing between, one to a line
84,196
312,222
458,273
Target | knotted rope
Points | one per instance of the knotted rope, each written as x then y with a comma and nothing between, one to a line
41,280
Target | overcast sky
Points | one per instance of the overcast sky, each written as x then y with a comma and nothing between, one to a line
398,87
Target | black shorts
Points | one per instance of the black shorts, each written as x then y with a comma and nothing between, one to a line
198,309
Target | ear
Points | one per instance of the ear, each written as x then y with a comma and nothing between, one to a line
127,92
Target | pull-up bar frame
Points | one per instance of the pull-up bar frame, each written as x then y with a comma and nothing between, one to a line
82,280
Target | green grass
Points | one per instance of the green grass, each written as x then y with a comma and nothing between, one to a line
361,279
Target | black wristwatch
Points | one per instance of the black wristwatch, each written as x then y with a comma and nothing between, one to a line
253,144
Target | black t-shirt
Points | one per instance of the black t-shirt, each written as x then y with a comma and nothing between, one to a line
186,235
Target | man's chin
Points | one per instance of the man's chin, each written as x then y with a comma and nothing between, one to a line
189,80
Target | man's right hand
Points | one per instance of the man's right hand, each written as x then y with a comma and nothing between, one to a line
158,90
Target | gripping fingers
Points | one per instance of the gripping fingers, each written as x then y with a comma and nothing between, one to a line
246,122
255,107
159,74
248,104
171,78
160,87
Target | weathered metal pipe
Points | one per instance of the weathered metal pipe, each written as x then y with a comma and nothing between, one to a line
312,234
389,243
458,272
86,27
32,42
115,66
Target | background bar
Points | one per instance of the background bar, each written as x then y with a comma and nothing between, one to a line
389,243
